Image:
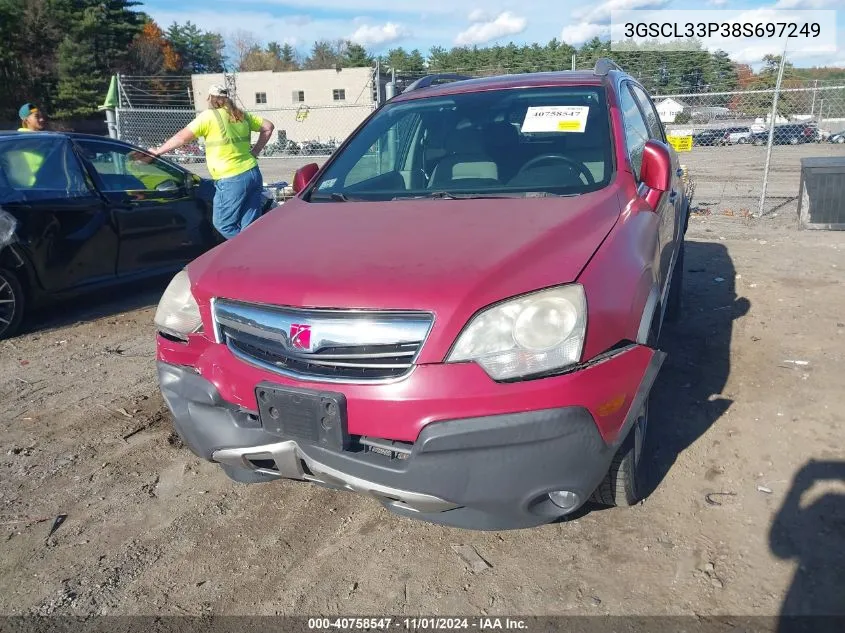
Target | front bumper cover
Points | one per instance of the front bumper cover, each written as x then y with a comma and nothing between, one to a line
492,472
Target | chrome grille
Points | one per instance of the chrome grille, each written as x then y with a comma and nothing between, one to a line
326,345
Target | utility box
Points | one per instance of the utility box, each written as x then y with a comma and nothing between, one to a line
821,194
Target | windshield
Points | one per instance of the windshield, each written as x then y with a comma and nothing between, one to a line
517,142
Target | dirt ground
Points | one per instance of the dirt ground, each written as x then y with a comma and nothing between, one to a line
748,405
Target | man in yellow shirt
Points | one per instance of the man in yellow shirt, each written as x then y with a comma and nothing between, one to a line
227,131
32,120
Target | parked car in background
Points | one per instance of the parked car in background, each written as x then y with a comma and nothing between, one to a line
737,135
708,138
281,147
814,135
789,134
838,137
458,315
190,153
80,212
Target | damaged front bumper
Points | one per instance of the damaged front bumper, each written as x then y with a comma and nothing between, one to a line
490,471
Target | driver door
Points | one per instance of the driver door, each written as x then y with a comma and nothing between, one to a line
158,218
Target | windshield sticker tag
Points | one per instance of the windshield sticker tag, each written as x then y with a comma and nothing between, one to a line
556,119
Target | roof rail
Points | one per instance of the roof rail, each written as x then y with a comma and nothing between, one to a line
604,65
430,80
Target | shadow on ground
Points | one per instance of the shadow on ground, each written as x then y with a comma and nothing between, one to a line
809,529
96,305
686,399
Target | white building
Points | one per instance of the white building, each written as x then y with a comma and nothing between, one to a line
668,109
308,105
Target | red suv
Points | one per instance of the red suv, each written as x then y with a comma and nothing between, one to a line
457,314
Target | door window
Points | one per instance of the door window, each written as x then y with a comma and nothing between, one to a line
636,130
655,127
40,167
121,168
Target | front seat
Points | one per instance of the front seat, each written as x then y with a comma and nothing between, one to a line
465,161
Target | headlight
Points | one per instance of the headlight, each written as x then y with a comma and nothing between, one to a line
528,335
178,313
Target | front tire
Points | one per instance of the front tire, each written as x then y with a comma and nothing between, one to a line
11,304
624,483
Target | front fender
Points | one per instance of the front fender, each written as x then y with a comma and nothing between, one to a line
621,284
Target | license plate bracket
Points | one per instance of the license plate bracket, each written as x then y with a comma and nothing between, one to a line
315,417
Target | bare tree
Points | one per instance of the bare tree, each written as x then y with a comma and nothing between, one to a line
243,42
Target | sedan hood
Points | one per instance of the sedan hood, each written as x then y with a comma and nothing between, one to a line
450,257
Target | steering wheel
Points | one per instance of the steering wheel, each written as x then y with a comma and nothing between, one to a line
578,167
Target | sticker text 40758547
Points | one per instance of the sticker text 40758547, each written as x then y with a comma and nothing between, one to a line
556,119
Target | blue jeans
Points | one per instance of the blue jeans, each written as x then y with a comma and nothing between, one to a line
237,202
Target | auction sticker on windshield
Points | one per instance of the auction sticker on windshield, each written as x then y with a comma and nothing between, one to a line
556,119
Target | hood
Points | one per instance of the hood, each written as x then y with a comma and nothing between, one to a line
450,257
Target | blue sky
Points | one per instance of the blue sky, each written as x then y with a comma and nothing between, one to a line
384,24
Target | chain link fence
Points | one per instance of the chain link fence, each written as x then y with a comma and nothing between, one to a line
303,134
726,140
740,138
154,109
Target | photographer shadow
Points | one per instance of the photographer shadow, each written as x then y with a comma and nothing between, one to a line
810,530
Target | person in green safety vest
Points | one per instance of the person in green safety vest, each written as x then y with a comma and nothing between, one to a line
32,119
231,162
24,164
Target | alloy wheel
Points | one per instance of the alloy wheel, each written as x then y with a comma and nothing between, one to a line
8,304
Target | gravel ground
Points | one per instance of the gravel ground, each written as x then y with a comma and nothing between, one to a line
748,406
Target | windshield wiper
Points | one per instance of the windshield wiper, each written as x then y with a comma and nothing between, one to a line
335,197
446,195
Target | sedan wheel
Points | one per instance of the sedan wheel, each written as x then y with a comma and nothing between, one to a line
11,303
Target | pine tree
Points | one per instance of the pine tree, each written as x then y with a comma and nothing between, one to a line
288,58
356,56
199,51
80,82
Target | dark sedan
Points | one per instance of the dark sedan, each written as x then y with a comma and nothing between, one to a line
81,212
710,137
789,134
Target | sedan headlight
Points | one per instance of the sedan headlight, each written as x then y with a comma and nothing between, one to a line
531,334
178,313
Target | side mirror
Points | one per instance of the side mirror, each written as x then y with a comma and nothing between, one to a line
656,171
304,175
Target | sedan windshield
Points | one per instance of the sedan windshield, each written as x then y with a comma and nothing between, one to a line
500,143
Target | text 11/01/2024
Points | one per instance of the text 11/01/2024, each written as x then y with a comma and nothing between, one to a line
417,624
